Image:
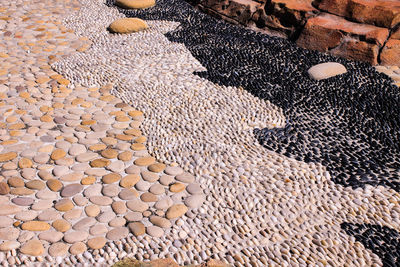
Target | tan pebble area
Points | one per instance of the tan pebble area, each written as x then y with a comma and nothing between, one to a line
75,171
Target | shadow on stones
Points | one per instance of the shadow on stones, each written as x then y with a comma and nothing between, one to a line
349,123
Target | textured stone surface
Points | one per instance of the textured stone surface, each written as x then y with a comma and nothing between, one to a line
390,54
127,25
252,199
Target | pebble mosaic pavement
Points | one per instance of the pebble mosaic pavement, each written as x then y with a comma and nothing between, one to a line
81,184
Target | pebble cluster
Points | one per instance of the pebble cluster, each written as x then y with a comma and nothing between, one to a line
89,189
75,173
353,145
196,79
382,240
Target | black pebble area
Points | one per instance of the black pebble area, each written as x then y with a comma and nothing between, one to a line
382,240
349,123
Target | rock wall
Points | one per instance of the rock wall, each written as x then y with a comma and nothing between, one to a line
365,30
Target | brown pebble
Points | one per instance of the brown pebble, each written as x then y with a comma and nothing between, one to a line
4,188
46,118
109,153
125,156
137,228
35,226
64,205
58,249
92,210
45,175
148,197
98,163
176,211
111,178
159,221
135,113
35,184
119,207
21,191
8,156
124,137
122,118
109,141
88,180
137,147
177,187
129,180
145,161
54,185
77,248
97,242
97,147
141,139
33,248
134,132
25,163
58,154
61,225
157,167
16,182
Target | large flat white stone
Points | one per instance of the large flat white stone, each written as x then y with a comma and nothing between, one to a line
326,70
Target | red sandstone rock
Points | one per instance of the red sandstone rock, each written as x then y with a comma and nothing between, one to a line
356,50
326,32
288,15
318,37
390,54
396,34
333,23
240,11
298,5
382,13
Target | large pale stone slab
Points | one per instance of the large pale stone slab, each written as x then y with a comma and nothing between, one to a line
326,70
